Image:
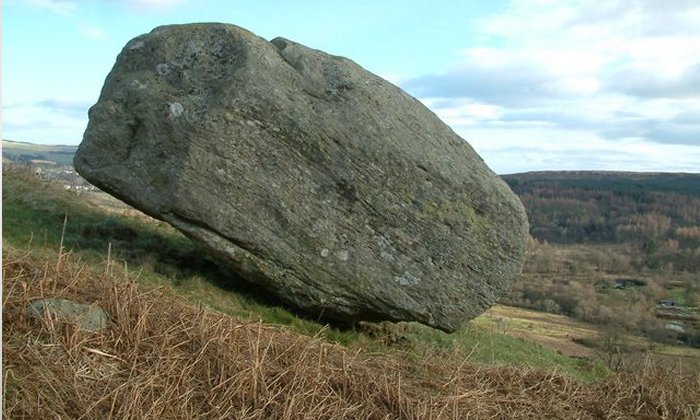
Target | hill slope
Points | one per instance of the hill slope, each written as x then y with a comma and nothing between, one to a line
608,207
34,214
21,152
185,344
164,358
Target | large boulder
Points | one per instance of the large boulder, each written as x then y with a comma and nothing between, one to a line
330,187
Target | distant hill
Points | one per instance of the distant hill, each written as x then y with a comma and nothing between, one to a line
21,152
579,207
681,183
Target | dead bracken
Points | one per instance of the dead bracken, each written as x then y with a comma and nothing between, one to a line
165,358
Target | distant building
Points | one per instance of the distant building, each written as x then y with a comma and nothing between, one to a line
667,304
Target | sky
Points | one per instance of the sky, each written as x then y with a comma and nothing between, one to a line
531,84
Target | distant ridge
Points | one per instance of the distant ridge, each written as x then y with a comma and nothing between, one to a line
615,181
17,143
25,152
604,207
594,174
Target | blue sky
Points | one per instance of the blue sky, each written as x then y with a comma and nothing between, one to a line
530,84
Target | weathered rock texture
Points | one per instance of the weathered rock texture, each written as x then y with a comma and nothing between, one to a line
330,187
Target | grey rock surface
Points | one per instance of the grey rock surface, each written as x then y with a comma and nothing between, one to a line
304,173
86,317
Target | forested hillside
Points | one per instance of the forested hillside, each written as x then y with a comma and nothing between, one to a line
618,249
658,212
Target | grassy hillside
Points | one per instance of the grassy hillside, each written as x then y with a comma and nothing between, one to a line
187,341
35,212
165,358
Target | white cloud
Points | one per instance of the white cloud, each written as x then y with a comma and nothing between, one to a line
619,77
521,149
462,112
48,121
61,7
93,32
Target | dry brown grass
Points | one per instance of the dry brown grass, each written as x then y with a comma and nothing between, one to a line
165,359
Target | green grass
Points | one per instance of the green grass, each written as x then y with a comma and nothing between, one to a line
34,212
678,295
481,345
33,218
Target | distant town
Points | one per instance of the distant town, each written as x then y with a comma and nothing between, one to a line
49,162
